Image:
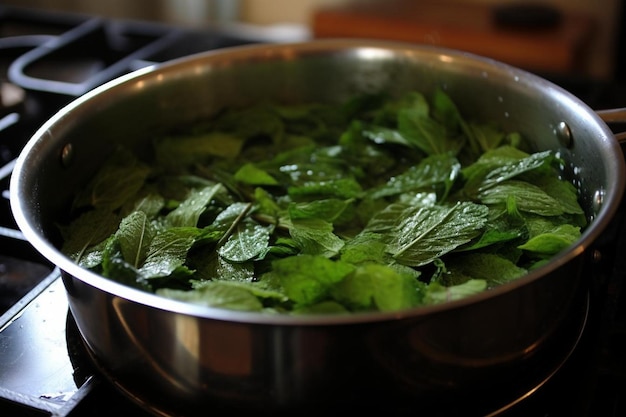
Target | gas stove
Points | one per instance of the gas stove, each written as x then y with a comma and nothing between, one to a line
48,59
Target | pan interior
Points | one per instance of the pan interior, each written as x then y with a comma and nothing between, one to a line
134,108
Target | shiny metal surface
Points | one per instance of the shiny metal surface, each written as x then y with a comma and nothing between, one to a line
35,362
181,357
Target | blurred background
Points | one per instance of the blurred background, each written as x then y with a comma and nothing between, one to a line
583,37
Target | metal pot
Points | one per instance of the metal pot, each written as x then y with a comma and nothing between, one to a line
182,359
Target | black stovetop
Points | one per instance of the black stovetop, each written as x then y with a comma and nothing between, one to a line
48,59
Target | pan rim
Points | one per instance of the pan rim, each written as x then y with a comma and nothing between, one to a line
19,194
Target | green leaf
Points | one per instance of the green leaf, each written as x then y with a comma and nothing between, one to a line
263,290
562,191
343,188
189,210
485,136
528,197
493,269
207,264
315,237
365,247
248,241
495,234
327,209
151,204
117,181
437,293
384,135
387,112
434,172
554,241
307,279
376,287
229,215
445,111
266,203
216,294
90,228
92,257
427,233
135,235
168,251
114,265
387,219
250,174
512,169
476,172
185,150
426,133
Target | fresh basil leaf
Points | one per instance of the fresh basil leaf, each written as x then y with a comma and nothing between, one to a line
114,265
308,279
327,209
562,191
151,204
388,111
376,287
437,293
365,247
116,182
485,136
135,235
427,233
437,171
343,188
90,228
168,251
510,170
216,294
315,237
190,209
493,269
264,290
384,135
426,134
387,219
207,265
250,174
93,256
185,150
528,197
260,120
553,241
248,241
476,172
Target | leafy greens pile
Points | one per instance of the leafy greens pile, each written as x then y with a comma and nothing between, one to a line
375,204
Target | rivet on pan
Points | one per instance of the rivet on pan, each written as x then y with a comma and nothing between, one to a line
598,200
564,134
67,154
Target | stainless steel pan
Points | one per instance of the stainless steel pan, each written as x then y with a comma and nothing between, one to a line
183,359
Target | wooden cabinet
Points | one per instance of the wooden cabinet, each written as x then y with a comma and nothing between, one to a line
557,47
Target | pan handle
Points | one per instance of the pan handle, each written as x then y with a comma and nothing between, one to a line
614,116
